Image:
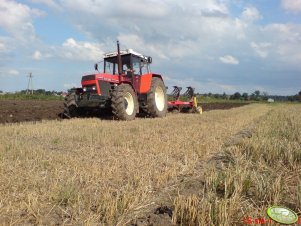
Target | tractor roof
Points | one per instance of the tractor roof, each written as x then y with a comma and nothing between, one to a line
125,52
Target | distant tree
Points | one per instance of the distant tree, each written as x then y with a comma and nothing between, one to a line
296,97
224,96
236,96
1,91
22,91
216,96
40,91
255,95
252,96
245,96
265,95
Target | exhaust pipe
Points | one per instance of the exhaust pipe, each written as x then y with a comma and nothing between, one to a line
119,62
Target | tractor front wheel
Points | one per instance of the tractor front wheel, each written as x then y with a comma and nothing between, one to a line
124,102
70,106
157,99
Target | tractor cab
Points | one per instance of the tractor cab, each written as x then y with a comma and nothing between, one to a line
132,63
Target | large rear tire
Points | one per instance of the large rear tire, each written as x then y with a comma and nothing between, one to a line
124,102
157,99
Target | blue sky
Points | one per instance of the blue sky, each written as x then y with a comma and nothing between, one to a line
214,45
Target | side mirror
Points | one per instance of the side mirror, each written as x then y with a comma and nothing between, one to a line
149,60
96,67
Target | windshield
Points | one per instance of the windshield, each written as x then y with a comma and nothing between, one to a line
111,66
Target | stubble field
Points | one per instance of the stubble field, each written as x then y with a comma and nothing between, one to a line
217,168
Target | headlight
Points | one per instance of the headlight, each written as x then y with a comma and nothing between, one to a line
85,89
93,87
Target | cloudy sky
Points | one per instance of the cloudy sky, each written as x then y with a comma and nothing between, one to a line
214,45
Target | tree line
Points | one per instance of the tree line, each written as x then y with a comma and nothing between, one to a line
255,96
38,92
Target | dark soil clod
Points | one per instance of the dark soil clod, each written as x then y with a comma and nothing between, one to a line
164,210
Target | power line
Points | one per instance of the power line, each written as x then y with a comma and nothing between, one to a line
30,84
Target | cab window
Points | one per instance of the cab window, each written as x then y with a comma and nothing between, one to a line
110,68
136,66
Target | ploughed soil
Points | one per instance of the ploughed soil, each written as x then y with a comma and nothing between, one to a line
29,110
36,110
220,106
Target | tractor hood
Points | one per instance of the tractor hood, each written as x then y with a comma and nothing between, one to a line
101,76
88,77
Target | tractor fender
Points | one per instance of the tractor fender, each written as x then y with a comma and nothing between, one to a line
146,81
124,82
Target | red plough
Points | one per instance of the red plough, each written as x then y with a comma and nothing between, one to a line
190,106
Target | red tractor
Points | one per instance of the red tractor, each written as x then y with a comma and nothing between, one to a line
125,87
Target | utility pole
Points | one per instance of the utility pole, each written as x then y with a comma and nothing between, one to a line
30,84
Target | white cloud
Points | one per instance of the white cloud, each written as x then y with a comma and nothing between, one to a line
251,14
50,3
5,73
261,49
228,88
13,72
285,39
292,5
79,50
163,29
7,45
37,55
70,85
16,19
229,60
163,18
137,43
3,47
134,8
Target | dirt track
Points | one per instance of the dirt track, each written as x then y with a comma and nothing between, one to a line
35,110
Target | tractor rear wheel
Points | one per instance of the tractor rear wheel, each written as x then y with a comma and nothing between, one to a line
157,99
124,102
